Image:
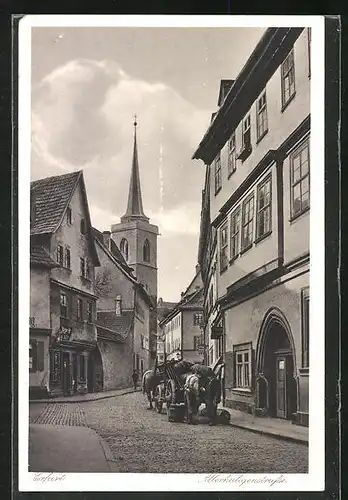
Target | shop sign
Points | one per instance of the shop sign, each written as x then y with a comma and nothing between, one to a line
63,334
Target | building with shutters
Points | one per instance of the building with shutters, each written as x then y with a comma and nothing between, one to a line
63,332
254,236
182,326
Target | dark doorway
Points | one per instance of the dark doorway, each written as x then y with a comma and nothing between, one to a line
95,374
66,372
74,372
278,371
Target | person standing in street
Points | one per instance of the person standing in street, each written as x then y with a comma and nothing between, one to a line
135,379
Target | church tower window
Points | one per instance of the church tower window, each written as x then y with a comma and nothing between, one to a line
146,251
124,248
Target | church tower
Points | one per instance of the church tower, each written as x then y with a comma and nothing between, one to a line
135,236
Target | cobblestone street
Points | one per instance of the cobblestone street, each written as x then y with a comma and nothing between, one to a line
143,441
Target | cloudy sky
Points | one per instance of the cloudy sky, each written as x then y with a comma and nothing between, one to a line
87,83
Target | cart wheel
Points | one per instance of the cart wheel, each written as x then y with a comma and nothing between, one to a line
170,398
158,400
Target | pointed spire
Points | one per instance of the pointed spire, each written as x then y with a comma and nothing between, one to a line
135,205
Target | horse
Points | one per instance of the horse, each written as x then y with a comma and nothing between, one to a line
149,383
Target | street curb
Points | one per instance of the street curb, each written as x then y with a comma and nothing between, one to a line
271,433
54,400
107,452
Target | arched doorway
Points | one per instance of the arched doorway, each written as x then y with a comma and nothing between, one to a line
276,381
95,371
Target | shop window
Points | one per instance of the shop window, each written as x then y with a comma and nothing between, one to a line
82,367
55,366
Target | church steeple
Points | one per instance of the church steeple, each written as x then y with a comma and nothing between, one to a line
135,205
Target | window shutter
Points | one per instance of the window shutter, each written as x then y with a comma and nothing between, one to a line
34,354
40,356
229,369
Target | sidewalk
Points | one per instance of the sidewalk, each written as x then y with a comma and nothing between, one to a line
60,448
90,396
276,427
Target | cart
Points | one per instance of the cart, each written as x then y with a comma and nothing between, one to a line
170,391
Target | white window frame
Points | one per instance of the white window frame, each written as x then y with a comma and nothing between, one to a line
217,173
267,208
250,222
67,264
300,181
261,116
232,155
223,247
64,303
60,254
288,73
243,367
246,128
235,234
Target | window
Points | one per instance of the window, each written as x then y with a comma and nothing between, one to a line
124,248
198,319
60,255
146,251
90,311
63,305
288,78
142,366
299,174
247,222
223,248
218,174
82,226
309,42
67,258
264,205
36,356
69,216
82,367
261,117
231,165
55,366
119,305
84,268
242,358
79,309
305,327
246,133
197,341
235,231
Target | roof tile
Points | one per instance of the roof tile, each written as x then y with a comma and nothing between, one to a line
40,257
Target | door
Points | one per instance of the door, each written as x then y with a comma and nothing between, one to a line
74,370
281,386
66,373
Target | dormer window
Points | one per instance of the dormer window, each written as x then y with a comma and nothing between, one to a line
124,248
83,226
69,216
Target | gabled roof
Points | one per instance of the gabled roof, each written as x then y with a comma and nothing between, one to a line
119,325
51,197
40,257
188,301
113,249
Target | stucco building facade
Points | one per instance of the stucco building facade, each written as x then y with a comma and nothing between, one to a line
254,242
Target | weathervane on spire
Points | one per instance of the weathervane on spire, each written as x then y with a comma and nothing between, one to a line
135,120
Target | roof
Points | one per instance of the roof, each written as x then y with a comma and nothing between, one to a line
193,300
40,257
225,86
268,54
113,249
50,197
135,204
119,325
107,334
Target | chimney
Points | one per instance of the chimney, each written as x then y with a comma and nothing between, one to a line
106,239
198,268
